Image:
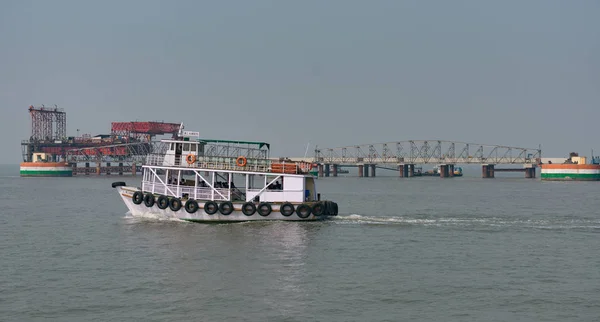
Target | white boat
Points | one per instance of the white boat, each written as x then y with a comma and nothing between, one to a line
220,181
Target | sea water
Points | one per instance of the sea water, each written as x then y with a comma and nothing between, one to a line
401,249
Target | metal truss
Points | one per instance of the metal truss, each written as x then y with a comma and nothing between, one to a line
126,153
48,123
427,152
235,150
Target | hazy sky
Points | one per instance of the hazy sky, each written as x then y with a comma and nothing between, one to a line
331,73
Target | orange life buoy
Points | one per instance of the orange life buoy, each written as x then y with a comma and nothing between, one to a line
241,161
190,158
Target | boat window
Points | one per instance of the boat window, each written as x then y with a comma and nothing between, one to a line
186,147
172,146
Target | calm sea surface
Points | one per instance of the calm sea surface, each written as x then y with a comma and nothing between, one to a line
414,249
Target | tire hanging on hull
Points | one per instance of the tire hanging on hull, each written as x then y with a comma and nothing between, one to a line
149,200
138,197
264,209
211,207
226,208
162,202
287,209
303,211
191,206
248,208
175,204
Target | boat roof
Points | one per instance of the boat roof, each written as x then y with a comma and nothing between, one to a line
259,144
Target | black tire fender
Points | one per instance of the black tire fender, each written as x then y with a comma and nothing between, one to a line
191,206
303,211
226,208
248,208
264,209
318,209
162,202
211,207
287,209
149,200
175,204
118,184
138,197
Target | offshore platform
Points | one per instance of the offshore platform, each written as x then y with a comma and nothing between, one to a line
123,150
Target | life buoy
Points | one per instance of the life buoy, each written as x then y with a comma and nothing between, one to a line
190,158
241,161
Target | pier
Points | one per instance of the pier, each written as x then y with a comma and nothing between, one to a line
405,156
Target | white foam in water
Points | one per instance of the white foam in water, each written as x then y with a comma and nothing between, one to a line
152,217
383,220
469,221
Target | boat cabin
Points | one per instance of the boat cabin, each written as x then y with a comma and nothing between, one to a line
182,153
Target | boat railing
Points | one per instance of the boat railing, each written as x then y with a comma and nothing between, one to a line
179,191
231,163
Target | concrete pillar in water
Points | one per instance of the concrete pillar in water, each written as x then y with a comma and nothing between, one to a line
334,169
74,167
87,168
411,170
120,168
327,170
360,170
107,168
401,170
373,169
320,170
366,170
133,170
487,171
443,170
98,168
530,173
451,170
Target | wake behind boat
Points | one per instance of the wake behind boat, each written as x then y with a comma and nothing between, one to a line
203,181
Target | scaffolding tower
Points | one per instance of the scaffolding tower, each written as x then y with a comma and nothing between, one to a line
48,123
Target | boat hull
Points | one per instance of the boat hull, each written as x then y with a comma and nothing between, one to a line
142,211
570,172
45,169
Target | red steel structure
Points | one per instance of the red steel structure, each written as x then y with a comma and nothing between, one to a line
136,129
49,135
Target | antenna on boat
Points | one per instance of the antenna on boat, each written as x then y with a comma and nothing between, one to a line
306,152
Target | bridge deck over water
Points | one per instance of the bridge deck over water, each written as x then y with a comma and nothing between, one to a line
405,154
